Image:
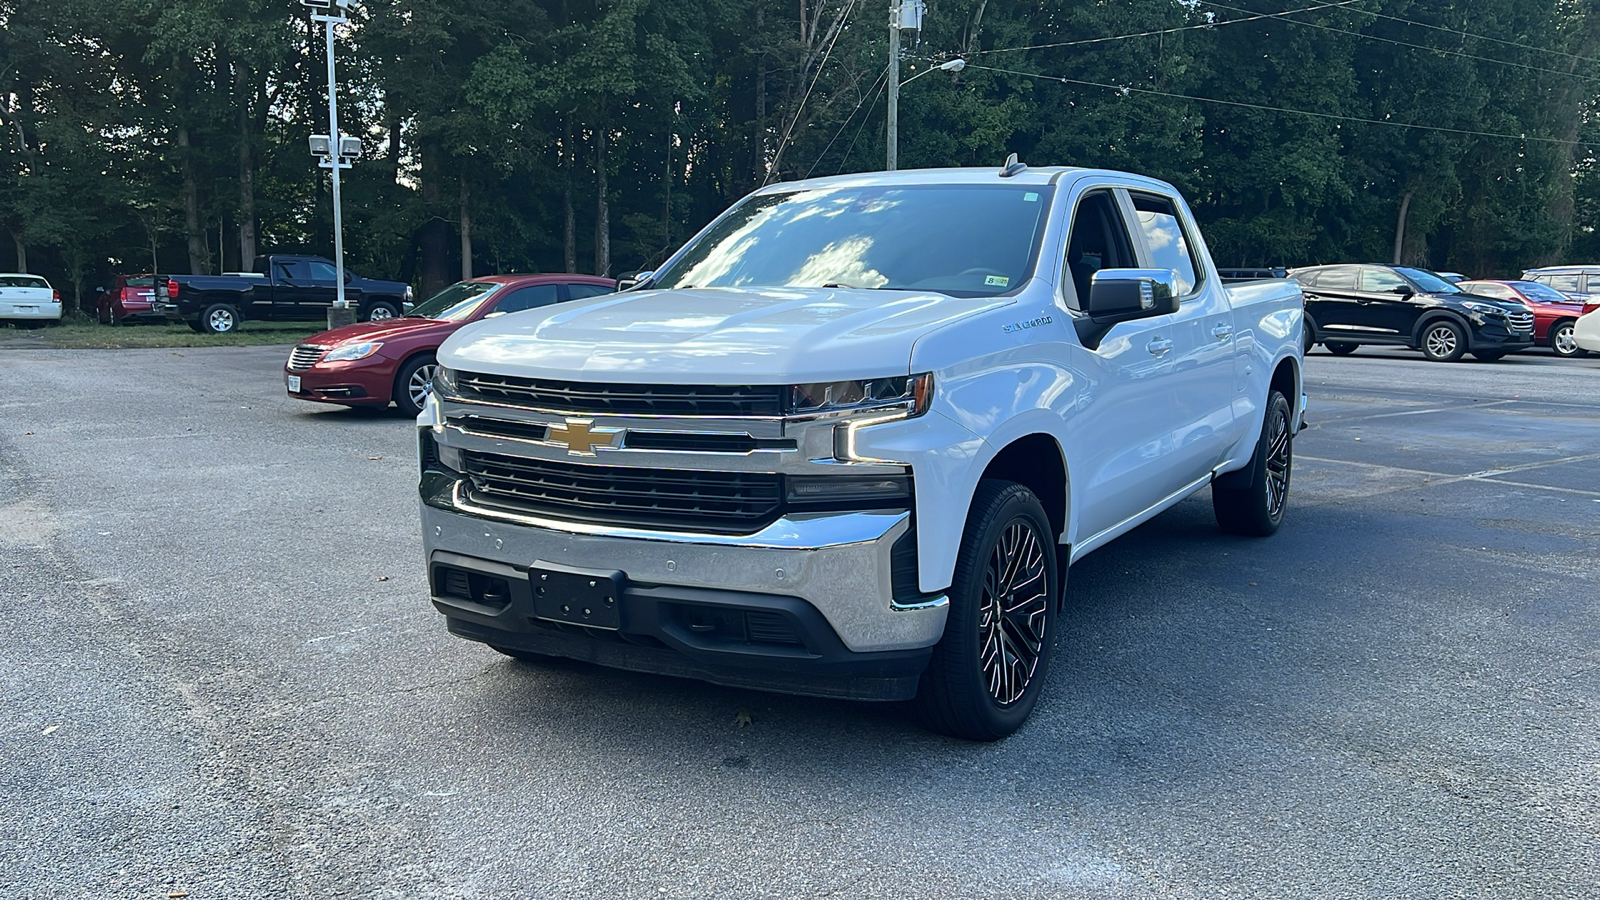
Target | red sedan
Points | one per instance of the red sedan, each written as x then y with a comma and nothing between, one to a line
1554,313
372,363
130,298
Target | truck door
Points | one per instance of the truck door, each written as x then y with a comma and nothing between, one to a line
1204,380
324,289
291,281
1120,435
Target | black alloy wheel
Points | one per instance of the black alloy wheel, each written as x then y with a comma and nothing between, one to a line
989,668
1443,341
1252,501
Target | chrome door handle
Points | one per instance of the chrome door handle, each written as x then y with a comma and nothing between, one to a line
1222,332
1159,346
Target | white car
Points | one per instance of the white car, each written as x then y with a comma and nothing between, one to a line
1586,334
28,300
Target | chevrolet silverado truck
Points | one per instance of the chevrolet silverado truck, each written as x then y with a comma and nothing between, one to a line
847,440
281,288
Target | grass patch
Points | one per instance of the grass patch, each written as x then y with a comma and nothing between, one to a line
78,334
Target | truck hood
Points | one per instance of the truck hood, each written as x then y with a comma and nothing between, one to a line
712,335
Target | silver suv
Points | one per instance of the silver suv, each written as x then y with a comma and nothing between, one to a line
1581,283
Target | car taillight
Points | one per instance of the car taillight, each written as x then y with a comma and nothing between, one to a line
55,296
172,288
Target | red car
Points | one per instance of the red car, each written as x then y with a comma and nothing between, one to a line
129,299
1554,313
372,363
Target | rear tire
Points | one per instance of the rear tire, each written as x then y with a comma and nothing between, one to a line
380,310
990,666
1443,341
1255,508
1340,348
219,318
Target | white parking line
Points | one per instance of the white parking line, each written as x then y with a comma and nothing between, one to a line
1436,479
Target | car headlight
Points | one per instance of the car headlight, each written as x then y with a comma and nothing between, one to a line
911,394
352,351
1483,309
444,381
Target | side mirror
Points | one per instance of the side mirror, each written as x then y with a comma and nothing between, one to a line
1123,295
628,282
99,290
1403,290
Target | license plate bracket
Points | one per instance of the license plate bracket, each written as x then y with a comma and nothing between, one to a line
575,596
294,384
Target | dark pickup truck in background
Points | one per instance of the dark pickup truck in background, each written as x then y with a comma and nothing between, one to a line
285,288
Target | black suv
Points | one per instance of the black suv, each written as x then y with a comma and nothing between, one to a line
1347,306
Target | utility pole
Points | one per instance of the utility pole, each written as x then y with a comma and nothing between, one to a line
893,161
904,15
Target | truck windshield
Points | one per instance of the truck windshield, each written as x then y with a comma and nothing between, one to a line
961,239
456,302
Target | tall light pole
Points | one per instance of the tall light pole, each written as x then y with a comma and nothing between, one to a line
334,151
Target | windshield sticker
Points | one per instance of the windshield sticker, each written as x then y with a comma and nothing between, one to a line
1030,197
1019,326
997,281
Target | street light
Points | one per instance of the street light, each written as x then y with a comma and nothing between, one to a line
905,15
333,150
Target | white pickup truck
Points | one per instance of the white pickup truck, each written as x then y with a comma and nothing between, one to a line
848,439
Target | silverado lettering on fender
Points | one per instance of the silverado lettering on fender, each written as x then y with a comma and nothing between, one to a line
847,440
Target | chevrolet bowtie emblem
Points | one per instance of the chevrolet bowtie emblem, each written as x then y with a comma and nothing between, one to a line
580,437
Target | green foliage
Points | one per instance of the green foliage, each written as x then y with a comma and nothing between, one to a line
137,134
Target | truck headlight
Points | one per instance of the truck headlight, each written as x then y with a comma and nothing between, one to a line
444,381
352,351
909,393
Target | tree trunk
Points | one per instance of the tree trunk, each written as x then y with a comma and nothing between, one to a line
22,252
466,234
435,231
602,210
394,139
191,206
1400,226
247,175
569,244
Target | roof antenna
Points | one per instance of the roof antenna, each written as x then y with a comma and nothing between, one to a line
1012,166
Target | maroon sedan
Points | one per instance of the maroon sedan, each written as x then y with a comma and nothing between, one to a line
372,363
129,298
1554,313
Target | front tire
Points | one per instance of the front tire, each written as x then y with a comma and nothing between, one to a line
1340,348
1255,507
990,666
1564,344
219,318
412,383
1443,341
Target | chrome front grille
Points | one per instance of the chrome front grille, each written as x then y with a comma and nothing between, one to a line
1521,321
587,399
718,502
305,356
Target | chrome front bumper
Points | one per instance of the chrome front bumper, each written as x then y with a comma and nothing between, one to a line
838,563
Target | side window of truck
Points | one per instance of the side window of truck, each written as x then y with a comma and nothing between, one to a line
1165,238
1099,240
285,271
323,273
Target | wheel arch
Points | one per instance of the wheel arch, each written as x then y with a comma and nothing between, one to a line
1037,462
408,359
1434,315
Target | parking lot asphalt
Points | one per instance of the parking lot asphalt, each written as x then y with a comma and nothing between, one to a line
223,678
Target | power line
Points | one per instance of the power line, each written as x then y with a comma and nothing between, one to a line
1122,37
1373,37
838,29
846,123
1281,109
845,159
1481,37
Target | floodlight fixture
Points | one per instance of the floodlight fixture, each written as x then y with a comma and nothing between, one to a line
349,147
319,145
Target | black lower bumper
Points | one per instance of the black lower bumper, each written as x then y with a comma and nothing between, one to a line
732,638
